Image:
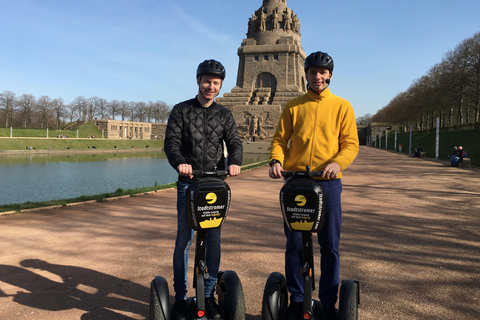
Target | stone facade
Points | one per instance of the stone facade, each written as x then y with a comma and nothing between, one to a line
158,131
270,71
119,129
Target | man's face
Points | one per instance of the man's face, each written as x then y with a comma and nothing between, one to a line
316,78
209,86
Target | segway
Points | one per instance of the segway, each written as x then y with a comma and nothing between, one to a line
208,200
302,203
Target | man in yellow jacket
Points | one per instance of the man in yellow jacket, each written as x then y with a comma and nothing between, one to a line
317,129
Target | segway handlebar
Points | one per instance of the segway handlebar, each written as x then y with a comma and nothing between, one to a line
212,173
297,174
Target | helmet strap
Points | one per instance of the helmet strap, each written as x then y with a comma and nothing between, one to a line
204,102
317,92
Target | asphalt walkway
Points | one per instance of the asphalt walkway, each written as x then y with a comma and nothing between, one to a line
410,235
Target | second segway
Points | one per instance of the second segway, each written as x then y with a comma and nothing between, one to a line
302,202
208,200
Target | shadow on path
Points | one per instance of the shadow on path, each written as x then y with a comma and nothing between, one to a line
96,293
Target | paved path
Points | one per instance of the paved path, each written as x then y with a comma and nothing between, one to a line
411,235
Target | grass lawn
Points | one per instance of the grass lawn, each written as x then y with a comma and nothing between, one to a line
37,138
469,139
58,144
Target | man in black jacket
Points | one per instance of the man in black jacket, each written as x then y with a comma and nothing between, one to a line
197,132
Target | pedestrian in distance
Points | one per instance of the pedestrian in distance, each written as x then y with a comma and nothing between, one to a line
197,132
418,151
457,157
317,129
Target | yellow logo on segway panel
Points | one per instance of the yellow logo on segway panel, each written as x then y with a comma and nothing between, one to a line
211,198
300,200
301,225
211,223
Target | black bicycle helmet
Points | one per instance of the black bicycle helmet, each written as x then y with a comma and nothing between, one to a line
211,67
319,59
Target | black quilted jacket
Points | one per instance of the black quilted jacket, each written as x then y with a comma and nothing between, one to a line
195,136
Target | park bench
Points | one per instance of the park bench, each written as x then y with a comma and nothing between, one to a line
464,163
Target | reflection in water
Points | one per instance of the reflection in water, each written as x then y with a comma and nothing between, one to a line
55,177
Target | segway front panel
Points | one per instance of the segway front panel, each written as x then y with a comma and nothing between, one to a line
302,203
208,200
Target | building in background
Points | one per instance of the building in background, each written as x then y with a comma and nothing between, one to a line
270,71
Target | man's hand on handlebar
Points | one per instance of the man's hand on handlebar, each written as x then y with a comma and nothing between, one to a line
331,171
275,171
234,170
185,169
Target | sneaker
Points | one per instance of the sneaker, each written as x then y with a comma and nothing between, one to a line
329,313
180,310
295,311
212,309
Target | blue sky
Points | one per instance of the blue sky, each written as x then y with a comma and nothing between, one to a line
148,50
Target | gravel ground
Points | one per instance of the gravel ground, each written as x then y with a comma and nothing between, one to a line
410,235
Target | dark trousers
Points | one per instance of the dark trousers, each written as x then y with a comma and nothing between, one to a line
182,246
328,239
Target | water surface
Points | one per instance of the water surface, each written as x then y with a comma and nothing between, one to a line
55,177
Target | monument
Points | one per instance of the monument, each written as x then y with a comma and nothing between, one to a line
270,71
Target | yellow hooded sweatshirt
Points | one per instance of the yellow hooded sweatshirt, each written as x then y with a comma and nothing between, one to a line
315,130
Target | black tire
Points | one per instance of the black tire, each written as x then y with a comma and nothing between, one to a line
230,296
159,299
275,297
349,300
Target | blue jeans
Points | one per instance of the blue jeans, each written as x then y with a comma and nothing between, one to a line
454,161
182,247
328,239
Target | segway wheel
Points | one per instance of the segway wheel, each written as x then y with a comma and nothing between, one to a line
230,296
275,297
349,300
159,299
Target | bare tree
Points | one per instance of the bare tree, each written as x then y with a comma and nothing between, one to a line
80,103
141,111
161,111
124,106
92,107
149,110
364,120
58,108
132,109
113,106
26,104
102,108
44,108
71,112
449,91
8,103
473,48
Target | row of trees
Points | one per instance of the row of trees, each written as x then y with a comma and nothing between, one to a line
28,112
450,91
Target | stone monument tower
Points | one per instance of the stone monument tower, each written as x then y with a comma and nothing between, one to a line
270,71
